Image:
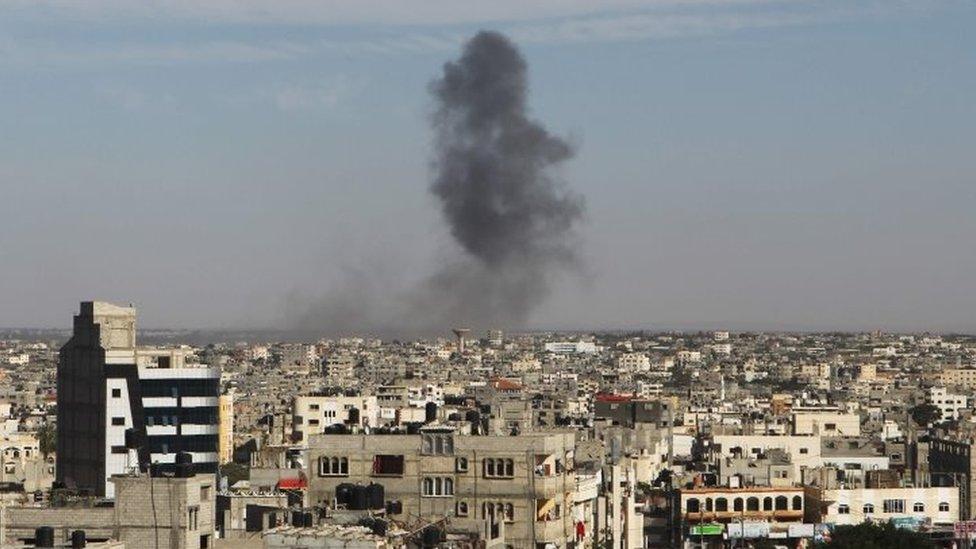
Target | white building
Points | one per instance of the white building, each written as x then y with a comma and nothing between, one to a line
949,404
571,347
936,505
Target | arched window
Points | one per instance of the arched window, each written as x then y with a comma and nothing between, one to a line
428,486
509,468
721,505
944,507
708,505
489,467
737,504
438,445
438,486
752,504
487,510
919,507
781,503
509,512
448,487
344,466
692,506
334,466
797,503
843,509
868,509
462,509
767,503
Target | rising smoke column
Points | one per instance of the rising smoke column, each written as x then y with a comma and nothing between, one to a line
493,177
511,217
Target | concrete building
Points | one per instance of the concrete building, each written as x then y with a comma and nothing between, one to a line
929,505
964,378
524,479
107,385
311,414
170,512
826,422
225,432
947,403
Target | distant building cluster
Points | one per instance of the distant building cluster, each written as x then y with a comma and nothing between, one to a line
494,440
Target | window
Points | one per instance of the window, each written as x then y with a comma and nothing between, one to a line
118,421
721,505
116,393
333,466
120,450
894,506
462,509
313,407
804,450
388,465
868,509
461,465
781,503
437,486
843,509
752,504
192,518
944,507
499,468
767,503
692,505
797,503
737,504
919,507
313,422
205,493
708,505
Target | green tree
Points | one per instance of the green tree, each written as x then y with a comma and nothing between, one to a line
47,437
234,472
926,414
869,535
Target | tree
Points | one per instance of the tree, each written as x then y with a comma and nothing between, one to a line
869,535
47,437
926,414
234,472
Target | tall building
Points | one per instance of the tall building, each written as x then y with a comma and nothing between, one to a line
107,385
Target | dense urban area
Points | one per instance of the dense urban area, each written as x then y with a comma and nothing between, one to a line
537,440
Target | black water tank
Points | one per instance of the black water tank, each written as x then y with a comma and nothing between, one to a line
353,416
379,528
359,499
413,428
184,458
430,412
44,537
184,470
377,495
133,439
432,536
78,539
343,493
394,507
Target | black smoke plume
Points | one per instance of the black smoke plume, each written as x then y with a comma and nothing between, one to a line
511,216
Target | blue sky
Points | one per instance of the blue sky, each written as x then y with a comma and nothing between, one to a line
746,163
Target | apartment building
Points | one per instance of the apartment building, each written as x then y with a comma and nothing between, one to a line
905,506
803,450
715,511
524,480
312,414
827,422
947,403
964,378
107,386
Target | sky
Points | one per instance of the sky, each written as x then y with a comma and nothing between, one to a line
746,164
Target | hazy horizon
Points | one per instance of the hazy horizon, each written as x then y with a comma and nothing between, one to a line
746,164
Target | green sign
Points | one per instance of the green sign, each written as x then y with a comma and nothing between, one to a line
710,529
